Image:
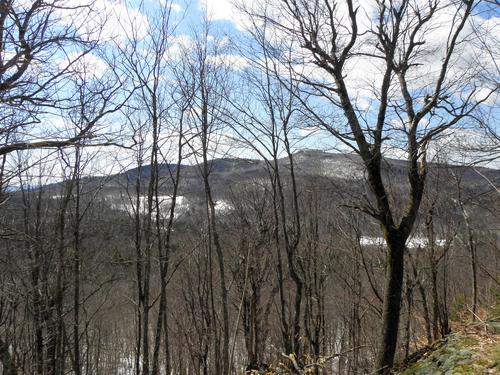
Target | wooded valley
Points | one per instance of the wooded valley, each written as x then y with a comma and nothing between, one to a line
305,187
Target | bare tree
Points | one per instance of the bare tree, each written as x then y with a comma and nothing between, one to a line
40,43
330,38
208,80
157,114
267,125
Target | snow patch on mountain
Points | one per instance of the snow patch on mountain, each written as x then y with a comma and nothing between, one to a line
411,243
345,169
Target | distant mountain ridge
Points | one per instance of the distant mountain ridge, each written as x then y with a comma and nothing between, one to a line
310,162
309,165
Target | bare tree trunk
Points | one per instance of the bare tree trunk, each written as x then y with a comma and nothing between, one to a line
471,247
473,266
6,359
164,257
76,268
56,330
435,303
285,326
445,328
423,295
409,308
33,247
392,304
220,259
139,266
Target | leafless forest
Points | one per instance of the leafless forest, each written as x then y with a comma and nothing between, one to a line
311,188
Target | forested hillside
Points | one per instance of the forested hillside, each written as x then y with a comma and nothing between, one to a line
473,349
340,256
265,187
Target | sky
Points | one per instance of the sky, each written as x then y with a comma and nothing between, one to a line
227,19
228,23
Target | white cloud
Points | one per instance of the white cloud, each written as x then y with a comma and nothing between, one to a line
88,64
123,20
465,146
218,9
363,73
488,96
177,8
105,20
230,61
179,45
224,10
310,130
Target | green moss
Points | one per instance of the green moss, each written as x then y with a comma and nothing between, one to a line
464,369
473,353
458,356
495,354
465,342
482,362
